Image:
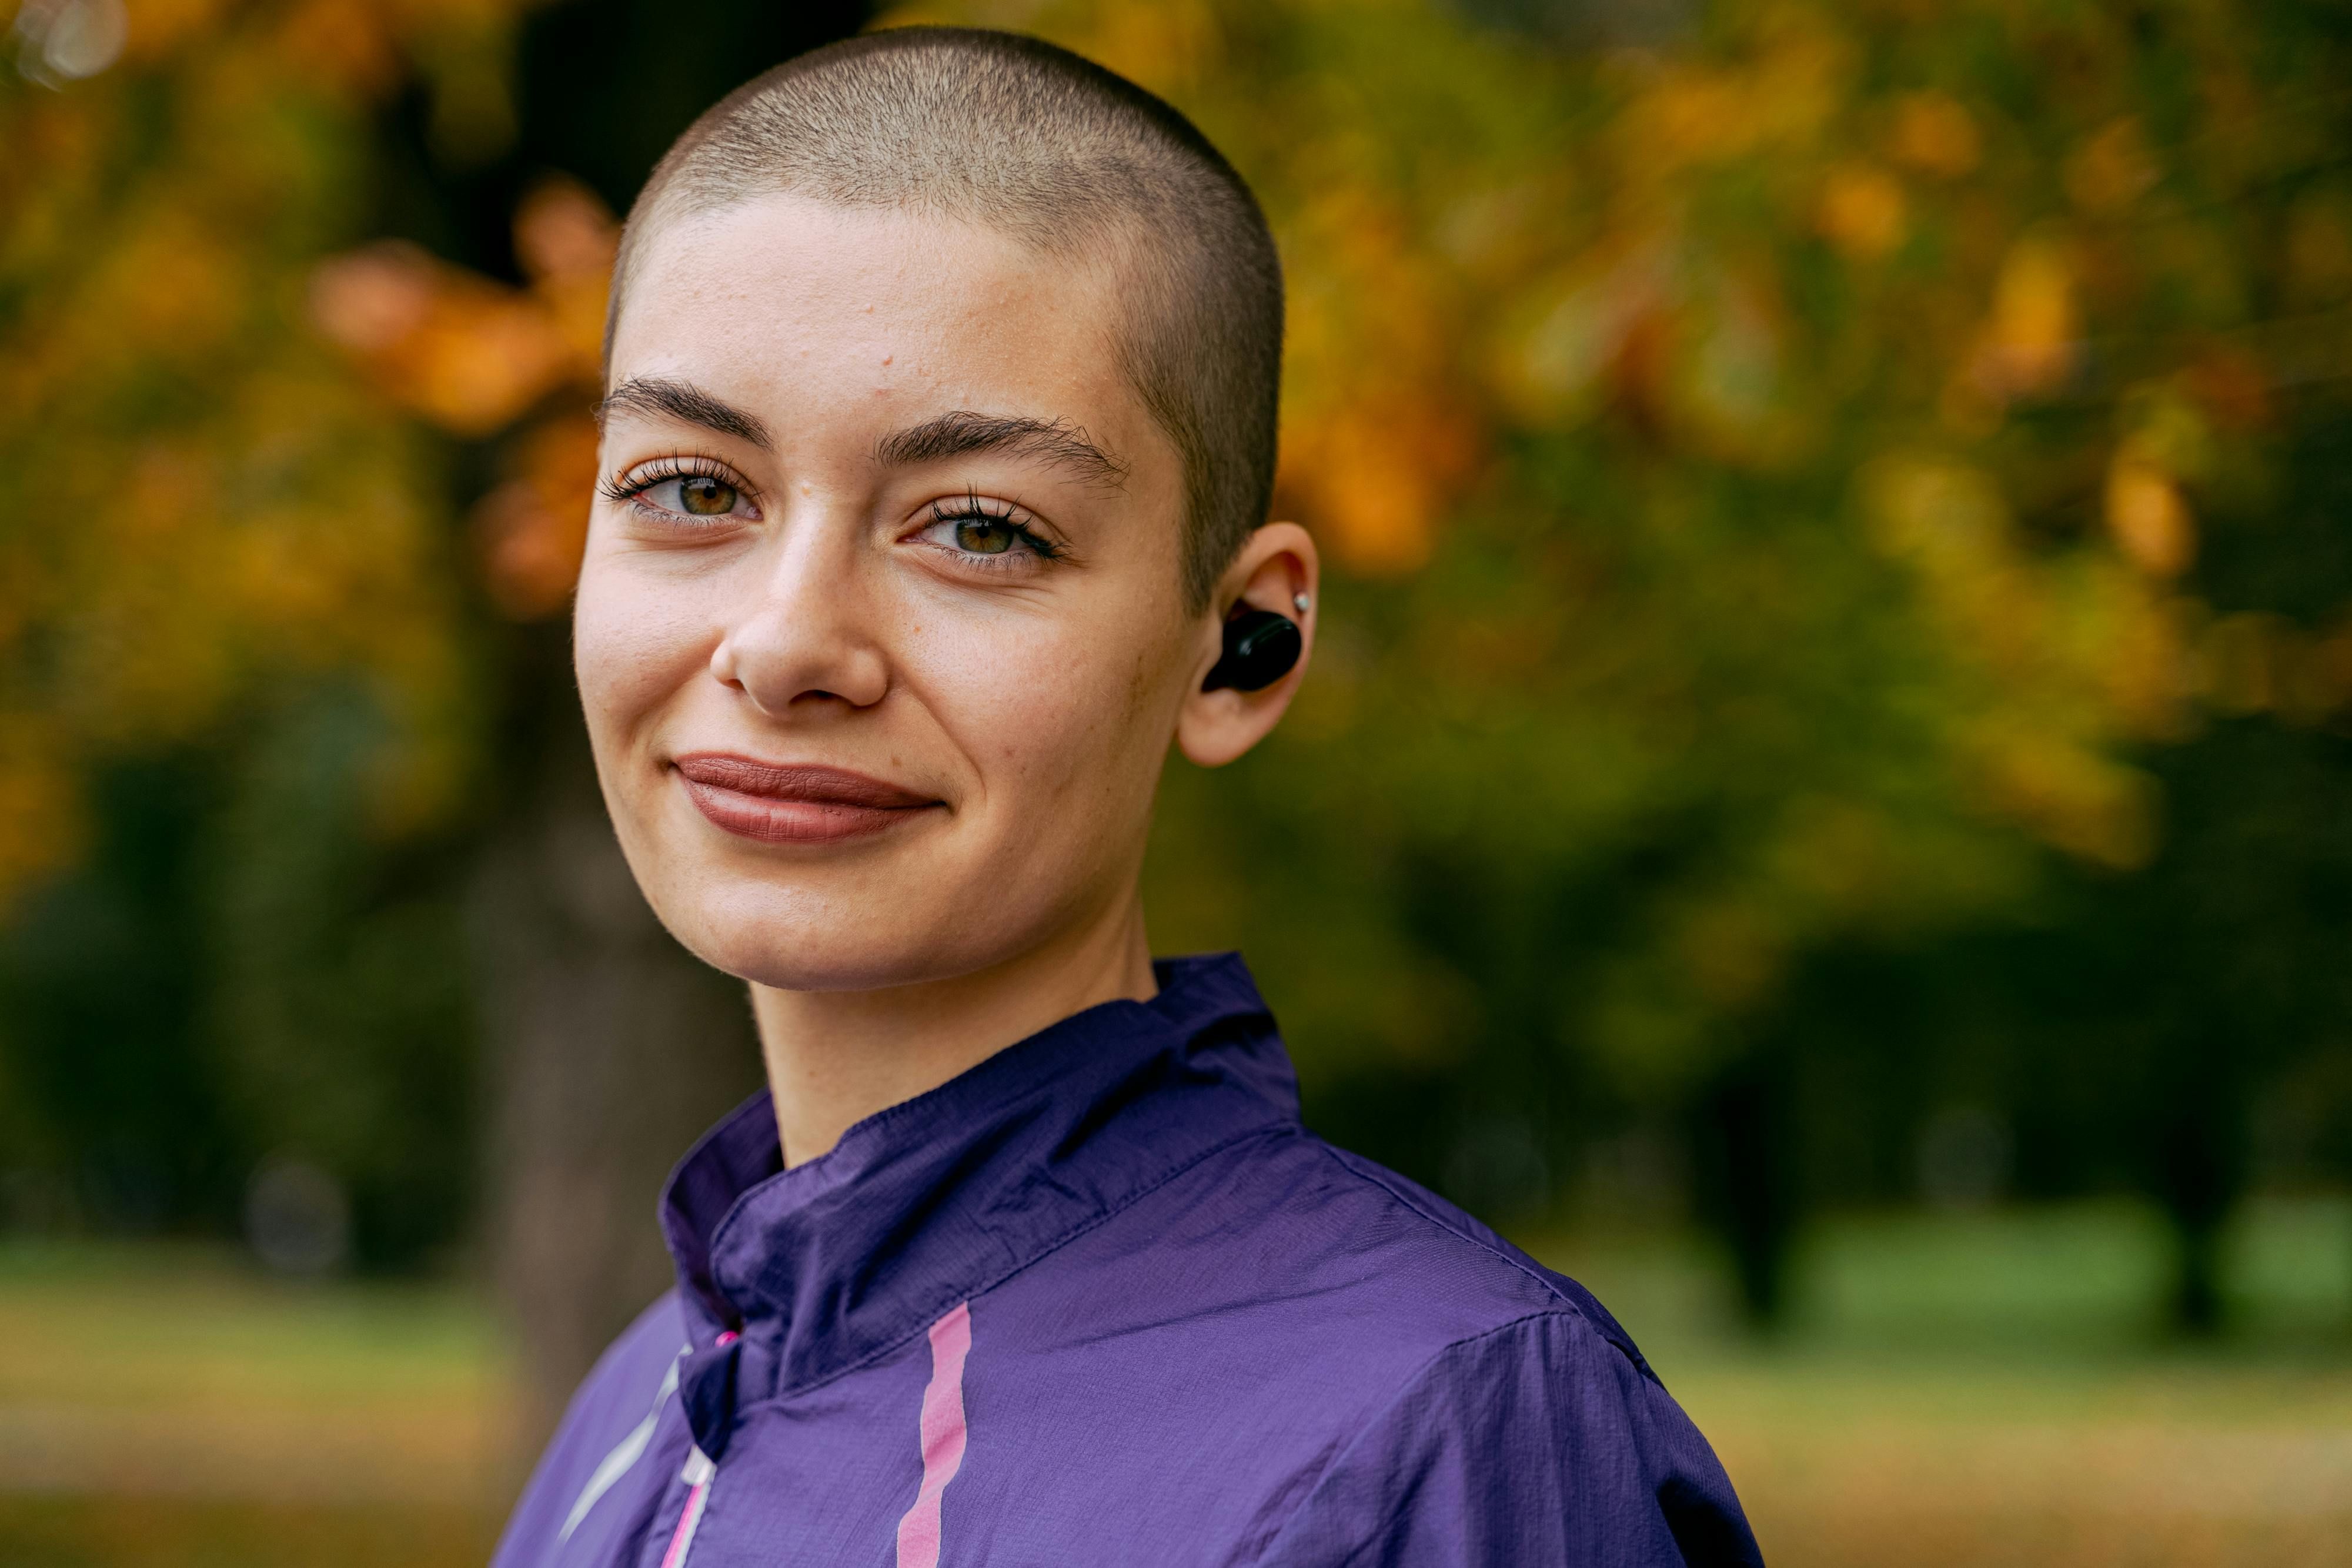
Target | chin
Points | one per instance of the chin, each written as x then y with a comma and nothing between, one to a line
801,939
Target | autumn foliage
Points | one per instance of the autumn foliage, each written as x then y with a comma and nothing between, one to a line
205,500
1805,420
1773,454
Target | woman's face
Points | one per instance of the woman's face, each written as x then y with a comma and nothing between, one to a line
879,632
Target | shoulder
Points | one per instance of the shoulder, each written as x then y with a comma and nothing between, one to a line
605,1434
1500,1415
1511,1286
1429,1274
1534,1441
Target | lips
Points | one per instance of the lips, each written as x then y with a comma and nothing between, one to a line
795,803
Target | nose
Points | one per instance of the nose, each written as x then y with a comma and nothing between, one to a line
803,640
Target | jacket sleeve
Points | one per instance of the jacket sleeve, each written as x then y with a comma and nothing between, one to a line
1538,1444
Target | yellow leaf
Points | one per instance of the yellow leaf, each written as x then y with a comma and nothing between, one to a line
2149,517
1934,133
1862,212
2032,338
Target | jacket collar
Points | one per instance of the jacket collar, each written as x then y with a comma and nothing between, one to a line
819,1267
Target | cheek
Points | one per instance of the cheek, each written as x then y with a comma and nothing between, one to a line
635,642
1051,714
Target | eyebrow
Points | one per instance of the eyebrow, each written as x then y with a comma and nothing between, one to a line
962,433
687,403
957,433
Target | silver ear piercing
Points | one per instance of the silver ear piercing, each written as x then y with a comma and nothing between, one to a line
1302,602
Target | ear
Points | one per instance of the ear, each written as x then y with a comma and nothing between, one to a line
1272,571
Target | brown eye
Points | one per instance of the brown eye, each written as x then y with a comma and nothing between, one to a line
984,536
702,497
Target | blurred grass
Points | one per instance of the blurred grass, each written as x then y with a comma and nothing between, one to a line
1966,1391
161,1405
208,1532
1951,1392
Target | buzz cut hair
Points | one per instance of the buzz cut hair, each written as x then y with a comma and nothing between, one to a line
1018,136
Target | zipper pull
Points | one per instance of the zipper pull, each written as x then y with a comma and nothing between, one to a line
696,1475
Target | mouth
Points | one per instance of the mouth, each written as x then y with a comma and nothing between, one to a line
795,803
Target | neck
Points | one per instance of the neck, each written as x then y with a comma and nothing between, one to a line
836,1058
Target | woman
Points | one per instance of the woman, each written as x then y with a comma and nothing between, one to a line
942,371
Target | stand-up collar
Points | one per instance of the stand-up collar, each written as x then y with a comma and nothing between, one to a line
934,1200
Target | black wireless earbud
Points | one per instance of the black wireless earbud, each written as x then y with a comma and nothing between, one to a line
1260,648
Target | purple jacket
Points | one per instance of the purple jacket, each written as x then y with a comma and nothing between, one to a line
1103,1300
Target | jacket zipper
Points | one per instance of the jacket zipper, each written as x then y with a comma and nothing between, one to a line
697,1477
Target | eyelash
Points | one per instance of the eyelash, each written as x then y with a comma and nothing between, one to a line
969,508
623,489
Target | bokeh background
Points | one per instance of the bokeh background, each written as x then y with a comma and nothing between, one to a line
1824,806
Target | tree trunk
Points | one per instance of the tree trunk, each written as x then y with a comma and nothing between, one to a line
1747,1183
611,1048
607,1048
2200,1172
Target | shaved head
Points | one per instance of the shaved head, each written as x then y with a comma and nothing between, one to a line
1083,166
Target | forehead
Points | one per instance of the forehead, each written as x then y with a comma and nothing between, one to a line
850,318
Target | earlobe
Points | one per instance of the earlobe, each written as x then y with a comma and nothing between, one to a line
1246,689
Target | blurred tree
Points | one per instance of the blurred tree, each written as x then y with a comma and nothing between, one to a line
372,781
127,1127
1840,601
610,1047
1781,459
235,685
